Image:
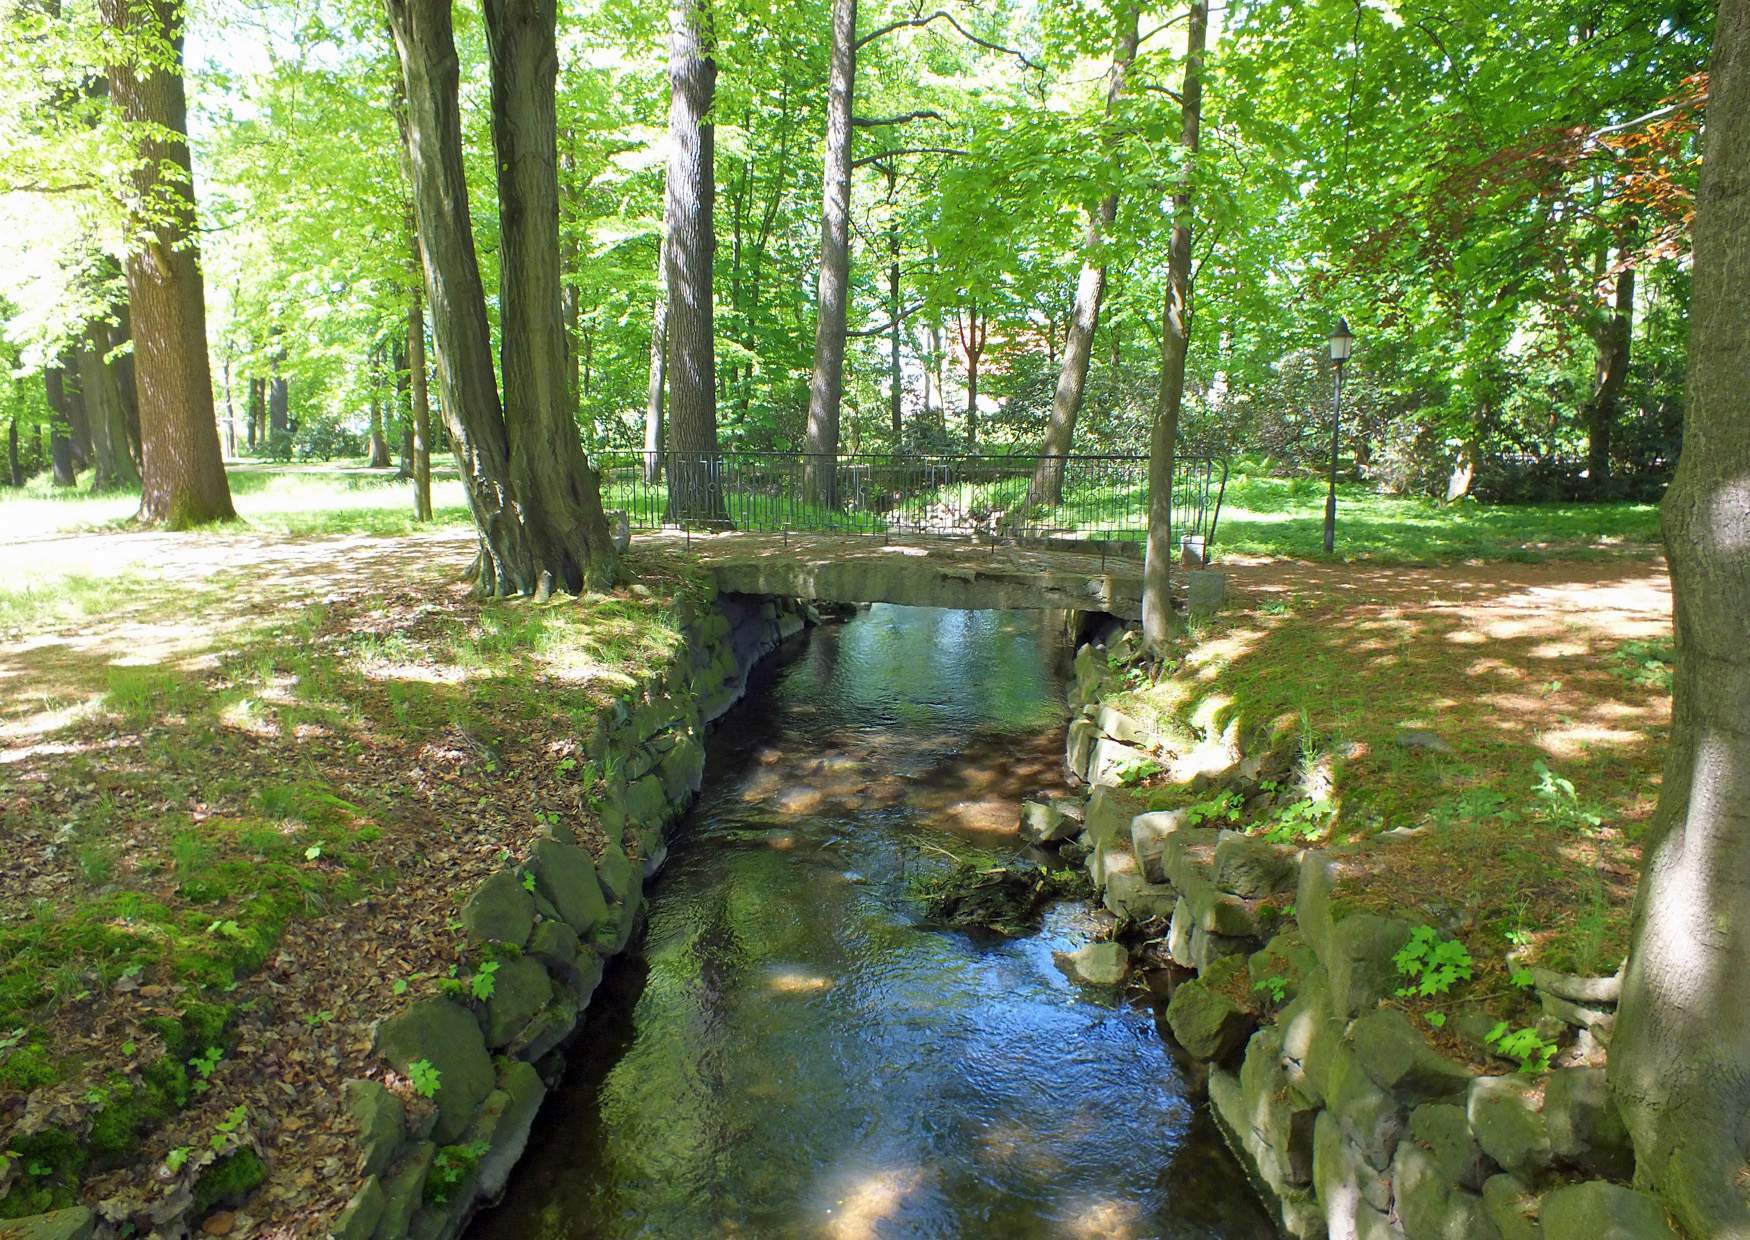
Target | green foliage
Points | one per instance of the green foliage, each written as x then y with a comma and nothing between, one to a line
449,1167
1433,965
1648,664
1523,1044
1304,819
1137,770
1275,986
425,1077
1225,806
228,1180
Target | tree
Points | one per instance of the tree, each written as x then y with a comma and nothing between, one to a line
1680,1061
695,485
1614,333
1157,600
1078,345
182,469
560,495
827,384
419,415
658,385
100,386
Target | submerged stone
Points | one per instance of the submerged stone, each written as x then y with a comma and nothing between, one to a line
1096,964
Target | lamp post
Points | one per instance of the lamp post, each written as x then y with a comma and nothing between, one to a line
1342,342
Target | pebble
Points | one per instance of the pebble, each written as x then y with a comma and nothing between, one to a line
219,1224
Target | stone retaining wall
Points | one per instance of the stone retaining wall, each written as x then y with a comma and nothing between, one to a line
550,923
1350,1122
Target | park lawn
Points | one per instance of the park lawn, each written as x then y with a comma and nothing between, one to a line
238,815
1481,746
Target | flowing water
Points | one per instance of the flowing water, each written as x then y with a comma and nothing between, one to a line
794,1054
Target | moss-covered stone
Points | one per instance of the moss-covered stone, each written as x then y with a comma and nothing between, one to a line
381,1120
566,876
229,1180
1400,1061
358,1221
1600,1210
72,1223
449,1038
1206,1022
1504,1117
500,911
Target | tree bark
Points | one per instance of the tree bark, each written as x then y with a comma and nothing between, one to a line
1078,344
1680,1061
379,437
14,468
658,370
895,390
827,384
1158,623
121,338
112,464
695,484
425,45
60,446
183,471
1613,336
420,413
561,495
257,411
973,333
279,408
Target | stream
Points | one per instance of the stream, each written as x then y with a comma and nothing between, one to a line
792,1053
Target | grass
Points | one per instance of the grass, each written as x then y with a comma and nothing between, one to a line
1548,705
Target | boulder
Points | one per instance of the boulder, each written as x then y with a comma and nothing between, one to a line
381,1119
1252,867
1442,1131
504,1125
1280,1115
1399,1060
1511,1205
1504,1118
1148,840
1078,748
1110,810
1354,1194
547,1030
1600,1210
73,1223
404,1189
1208,1024
1096,964
1121,727
1110,760
1043,822
359,1219
1371,1119
557,946
500,911
1576,989
520,988
1358,959
1192,946
449,1038
565,874
1585,1129
1132,898
682,770
1429,1206
1284,957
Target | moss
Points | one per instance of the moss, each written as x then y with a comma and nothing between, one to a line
50,1164
229,1180
134,1110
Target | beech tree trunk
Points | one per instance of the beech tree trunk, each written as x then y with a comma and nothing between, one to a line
257,411
420,414
14,468
425,45
658,370
379,437
1078,344
112,464
182,469
1680,1059
279,408
827,385
1158,624
695,484
561,495
121,338
1613,338
60,446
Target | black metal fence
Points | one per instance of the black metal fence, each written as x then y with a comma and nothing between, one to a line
966,496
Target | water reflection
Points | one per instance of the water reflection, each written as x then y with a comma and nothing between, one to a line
795,1056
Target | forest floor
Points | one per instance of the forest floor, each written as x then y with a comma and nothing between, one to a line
245,773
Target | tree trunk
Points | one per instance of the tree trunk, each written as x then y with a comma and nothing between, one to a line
1078,344
1680,1059
121,347
14,468
695,484
420,419
257,411
658,370
112,464
279,409
1613,338
1158,624
60,446
379,437
826,386
425,45
973,334
183,470
895,391
561,495
78,420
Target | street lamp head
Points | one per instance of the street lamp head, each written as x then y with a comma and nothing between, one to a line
1342,342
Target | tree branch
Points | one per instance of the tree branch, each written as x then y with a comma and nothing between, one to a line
869,122
906,150
901,317
1657,114
912,22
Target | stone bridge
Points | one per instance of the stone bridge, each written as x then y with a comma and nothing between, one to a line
915,572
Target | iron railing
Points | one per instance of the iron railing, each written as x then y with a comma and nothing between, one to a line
907,494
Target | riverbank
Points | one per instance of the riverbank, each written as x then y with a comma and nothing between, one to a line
1392,851
244,822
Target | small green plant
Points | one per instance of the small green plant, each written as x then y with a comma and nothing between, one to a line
1524,1045
1648,664
1432,964
1225,806
449,1167
204,1065
1137,770
227,1127
1275,987
1304,819
1560,802
484,983
313,852
176,1159
528,882
425,1077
